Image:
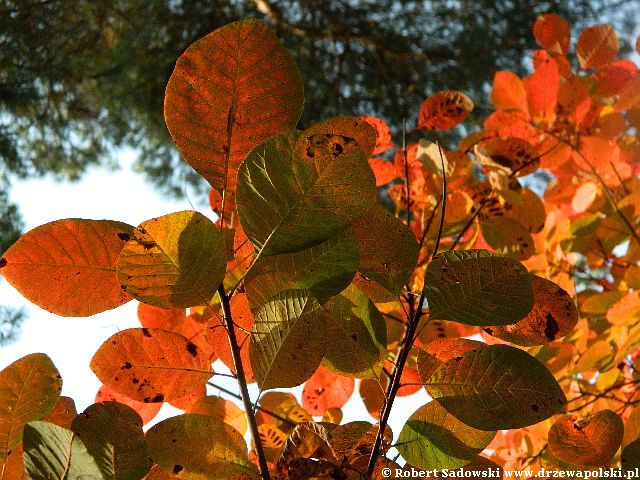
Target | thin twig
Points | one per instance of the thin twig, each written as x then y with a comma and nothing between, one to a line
242,383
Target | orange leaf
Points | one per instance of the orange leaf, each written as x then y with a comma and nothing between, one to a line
553,316
185,403
552,33
384,171
508,93
225,410
230,91
596,46
325,390
147,411
215,201
383,135
372,394
156,317
613,77
592,441
409,381
625,311
630,95
62,413
331,133
29,389
542,90
68,266
218,338
151,365
514,153
444,110
574,100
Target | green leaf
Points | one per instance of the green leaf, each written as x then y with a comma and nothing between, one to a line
388,249
230,91
287,340
324,269
508,237
174,261
54,452
496,387
199,446
433,438
356,335
29,388
477,287
288,203
112,434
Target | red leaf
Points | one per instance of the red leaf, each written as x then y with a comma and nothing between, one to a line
613,77
383,135
542,91
444,110
552,33
156,317
384,171
596,46
508,93
325,390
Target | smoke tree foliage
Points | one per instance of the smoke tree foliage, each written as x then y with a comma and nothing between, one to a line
355,267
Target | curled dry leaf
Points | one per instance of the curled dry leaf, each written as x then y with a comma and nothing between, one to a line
68,266
554,315
444,110
151,365
591,441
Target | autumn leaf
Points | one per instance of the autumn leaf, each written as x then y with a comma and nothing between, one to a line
62,413
630,457
591,441
147,411
230,91
596,46
496,387
287,203
29,389
113,436
287,340
199,445
433,438
325,390
444,110
508,93
156,317
383,135
174,261
225,410
552,33
68,266
151,365
477,287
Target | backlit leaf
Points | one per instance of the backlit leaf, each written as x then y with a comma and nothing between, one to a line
496,387
477,287
383,170
112,434
174,261
513,153
508,237
631,442
287,340
591,441
68,266
156,317
508,93
325,390
54,452
324,269
444,110
29,388
147,411
225,410
434,438
383,135
596,46
372,394
554,315
287,202
151,365
388,249
552,33
437,352
199,446
625,311
356,335
62,413
230,91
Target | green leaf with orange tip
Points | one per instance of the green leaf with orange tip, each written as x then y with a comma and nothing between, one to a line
174,261
591,441
230,91
356,333
437,352
478,287
151,365
324,269
51,451
434,438
68,266
113,436
29,389
196,446
288,340
292,196
496,387
388,249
